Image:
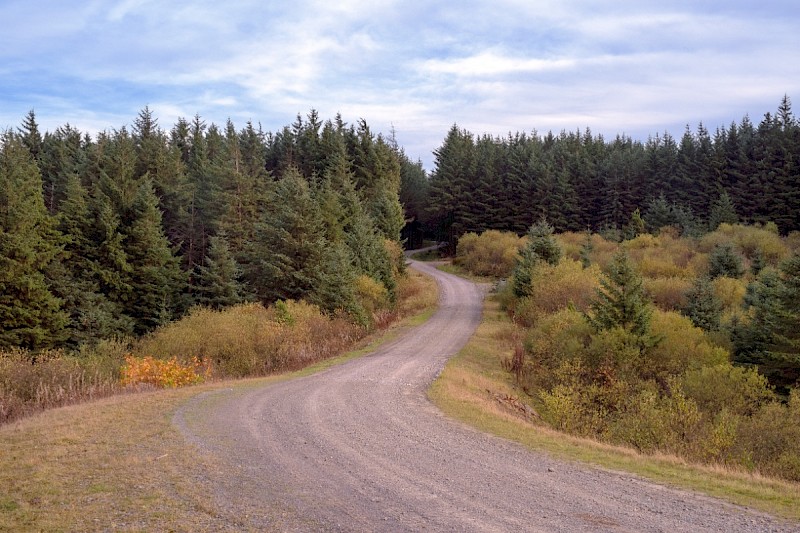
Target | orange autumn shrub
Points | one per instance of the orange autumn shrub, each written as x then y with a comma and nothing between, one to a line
162,373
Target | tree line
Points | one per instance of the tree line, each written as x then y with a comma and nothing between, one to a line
119,233
580,181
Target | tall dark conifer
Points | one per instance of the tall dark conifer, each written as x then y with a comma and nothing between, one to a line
30,315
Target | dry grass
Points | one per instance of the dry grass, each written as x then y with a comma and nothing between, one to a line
115,464
476,389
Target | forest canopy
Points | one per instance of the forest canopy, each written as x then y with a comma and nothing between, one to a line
120,233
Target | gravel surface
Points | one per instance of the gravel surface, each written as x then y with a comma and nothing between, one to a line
358,447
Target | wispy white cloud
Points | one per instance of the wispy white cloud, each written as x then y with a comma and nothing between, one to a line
633,67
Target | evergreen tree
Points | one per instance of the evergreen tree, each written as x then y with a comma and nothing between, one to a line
586,250
658,214
703,307
770,339
635,226
291,258
722,211
218,281
724,261
621,301
541,246
92,315
30,315
30,136
156,279
757,262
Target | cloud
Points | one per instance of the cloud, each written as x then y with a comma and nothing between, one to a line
490,63
512,65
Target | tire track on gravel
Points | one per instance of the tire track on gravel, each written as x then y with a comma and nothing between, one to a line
358,447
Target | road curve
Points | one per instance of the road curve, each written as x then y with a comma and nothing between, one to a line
358,447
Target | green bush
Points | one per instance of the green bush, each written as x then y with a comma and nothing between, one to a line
740,391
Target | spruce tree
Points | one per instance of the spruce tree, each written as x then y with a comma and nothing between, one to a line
541,246
703,307
658,214
770,339
30,315
725,261
92,315
156,279
219,279
722,211
291,258
621,301
586,250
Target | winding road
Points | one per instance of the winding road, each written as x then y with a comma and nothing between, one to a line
358,447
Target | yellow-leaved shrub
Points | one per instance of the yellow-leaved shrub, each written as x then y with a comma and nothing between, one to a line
161,373
492,253
555,287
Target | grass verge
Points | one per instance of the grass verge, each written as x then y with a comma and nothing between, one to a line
475,389
119,464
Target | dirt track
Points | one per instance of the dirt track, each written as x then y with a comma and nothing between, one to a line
359,448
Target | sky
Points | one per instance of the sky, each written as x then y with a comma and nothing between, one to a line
637,68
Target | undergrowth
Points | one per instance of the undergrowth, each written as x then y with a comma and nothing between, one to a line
240,341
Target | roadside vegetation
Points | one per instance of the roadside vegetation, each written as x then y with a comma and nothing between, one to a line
477,388
668,345
245,340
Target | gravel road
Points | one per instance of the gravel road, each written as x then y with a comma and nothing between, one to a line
359,448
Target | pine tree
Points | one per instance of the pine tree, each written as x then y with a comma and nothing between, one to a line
724,261
218,281
156,279
703,307
621,301
722,211
541,247
30,315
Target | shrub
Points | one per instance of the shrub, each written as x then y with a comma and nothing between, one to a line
739,390
556,338
682,346
770,439
566,284
664,256
492,253
371,294
571,405
730,292
748,239
33,382
251,340
651,421
160,373
668,294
